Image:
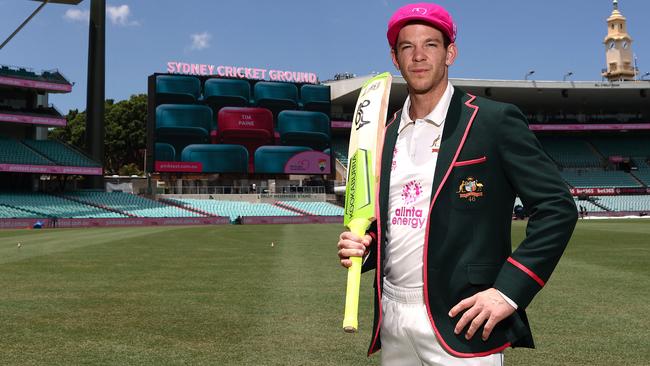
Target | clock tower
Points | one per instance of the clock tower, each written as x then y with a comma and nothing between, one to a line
618,48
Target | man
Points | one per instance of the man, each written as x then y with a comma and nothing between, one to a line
448,289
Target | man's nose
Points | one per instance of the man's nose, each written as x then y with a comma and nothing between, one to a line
419,54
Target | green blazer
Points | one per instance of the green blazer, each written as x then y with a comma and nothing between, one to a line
488,155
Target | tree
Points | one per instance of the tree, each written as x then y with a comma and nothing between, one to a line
125,125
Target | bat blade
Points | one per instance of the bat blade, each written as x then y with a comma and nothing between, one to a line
367,130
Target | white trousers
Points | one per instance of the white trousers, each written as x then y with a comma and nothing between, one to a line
407,336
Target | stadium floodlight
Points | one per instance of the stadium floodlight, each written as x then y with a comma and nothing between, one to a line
44,2
567,75
530,72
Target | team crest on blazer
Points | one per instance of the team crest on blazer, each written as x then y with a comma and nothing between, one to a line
470,189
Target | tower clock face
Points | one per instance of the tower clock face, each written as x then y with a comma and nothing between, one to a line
626,44
611,44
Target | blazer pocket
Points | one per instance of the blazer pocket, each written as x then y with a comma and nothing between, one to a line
480,160
482,274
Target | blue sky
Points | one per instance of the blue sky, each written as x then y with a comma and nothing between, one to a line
498,39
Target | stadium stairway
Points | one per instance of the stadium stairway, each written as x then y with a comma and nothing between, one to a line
186,207
88,203
595,151
593,201
642,183
292,209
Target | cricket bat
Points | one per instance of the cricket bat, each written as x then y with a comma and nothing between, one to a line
367,130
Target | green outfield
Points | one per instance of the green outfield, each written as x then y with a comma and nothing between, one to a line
222,295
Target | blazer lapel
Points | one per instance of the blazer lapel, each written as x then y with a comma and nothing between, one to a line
390,138
457,124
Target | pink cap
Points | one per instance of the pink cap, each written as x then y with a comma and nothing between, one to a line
433,14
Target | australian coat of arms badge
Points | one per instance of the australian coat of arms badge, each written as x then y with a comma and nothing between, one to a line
470,189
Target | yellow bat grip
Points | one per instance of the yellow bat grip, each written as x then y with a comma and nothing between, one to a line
351,317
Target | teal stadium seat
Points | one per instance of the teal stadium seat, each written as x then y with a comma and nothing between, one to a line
60,153
276,96
13,152
629,146
132,204
569,152
177,89
180,125
219,93
340,147
43,205
315,98
598,178
233,209
272,159
222,158
625,203
316,208
304,128
165,152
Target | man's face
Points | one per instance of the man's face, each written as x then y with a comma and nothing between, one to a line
421,57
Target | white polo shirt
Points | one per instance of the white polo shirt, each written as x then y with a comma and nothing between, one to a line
411,180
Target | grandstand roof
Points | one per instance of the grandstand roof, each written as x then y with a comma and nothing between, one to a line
532,95
68,2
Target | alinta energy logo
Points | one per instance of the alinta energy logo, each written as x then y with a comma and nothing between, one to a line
411,191
408,215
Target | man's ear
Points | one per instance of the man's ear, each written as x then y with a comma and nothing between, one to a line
393,55
452,52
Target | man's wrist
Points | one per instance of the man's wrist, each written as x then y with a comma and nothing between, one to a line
508,300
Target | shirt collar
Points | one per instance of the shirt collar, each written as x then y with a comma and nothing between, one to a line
436,116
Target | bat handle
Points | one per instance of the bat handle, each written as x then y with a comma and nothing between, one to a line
351,317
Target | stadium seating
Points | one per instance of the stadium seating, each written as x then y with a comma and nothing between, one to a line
37,111
591,207
316,208
643,175
7,212
222,158
165,152
132,204
49,76
176,89
628,146
60,153
625,203
272,159
249,127
233,209
641,162
276,96
315,98
304,128
52,206
13,152
181,125
219,93
598,178
571,152
340,147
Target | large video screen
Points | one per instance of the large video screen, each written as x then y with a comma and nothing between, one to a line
210,124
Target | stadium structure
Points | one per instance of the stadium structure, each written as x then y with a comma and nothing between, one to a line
234,149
